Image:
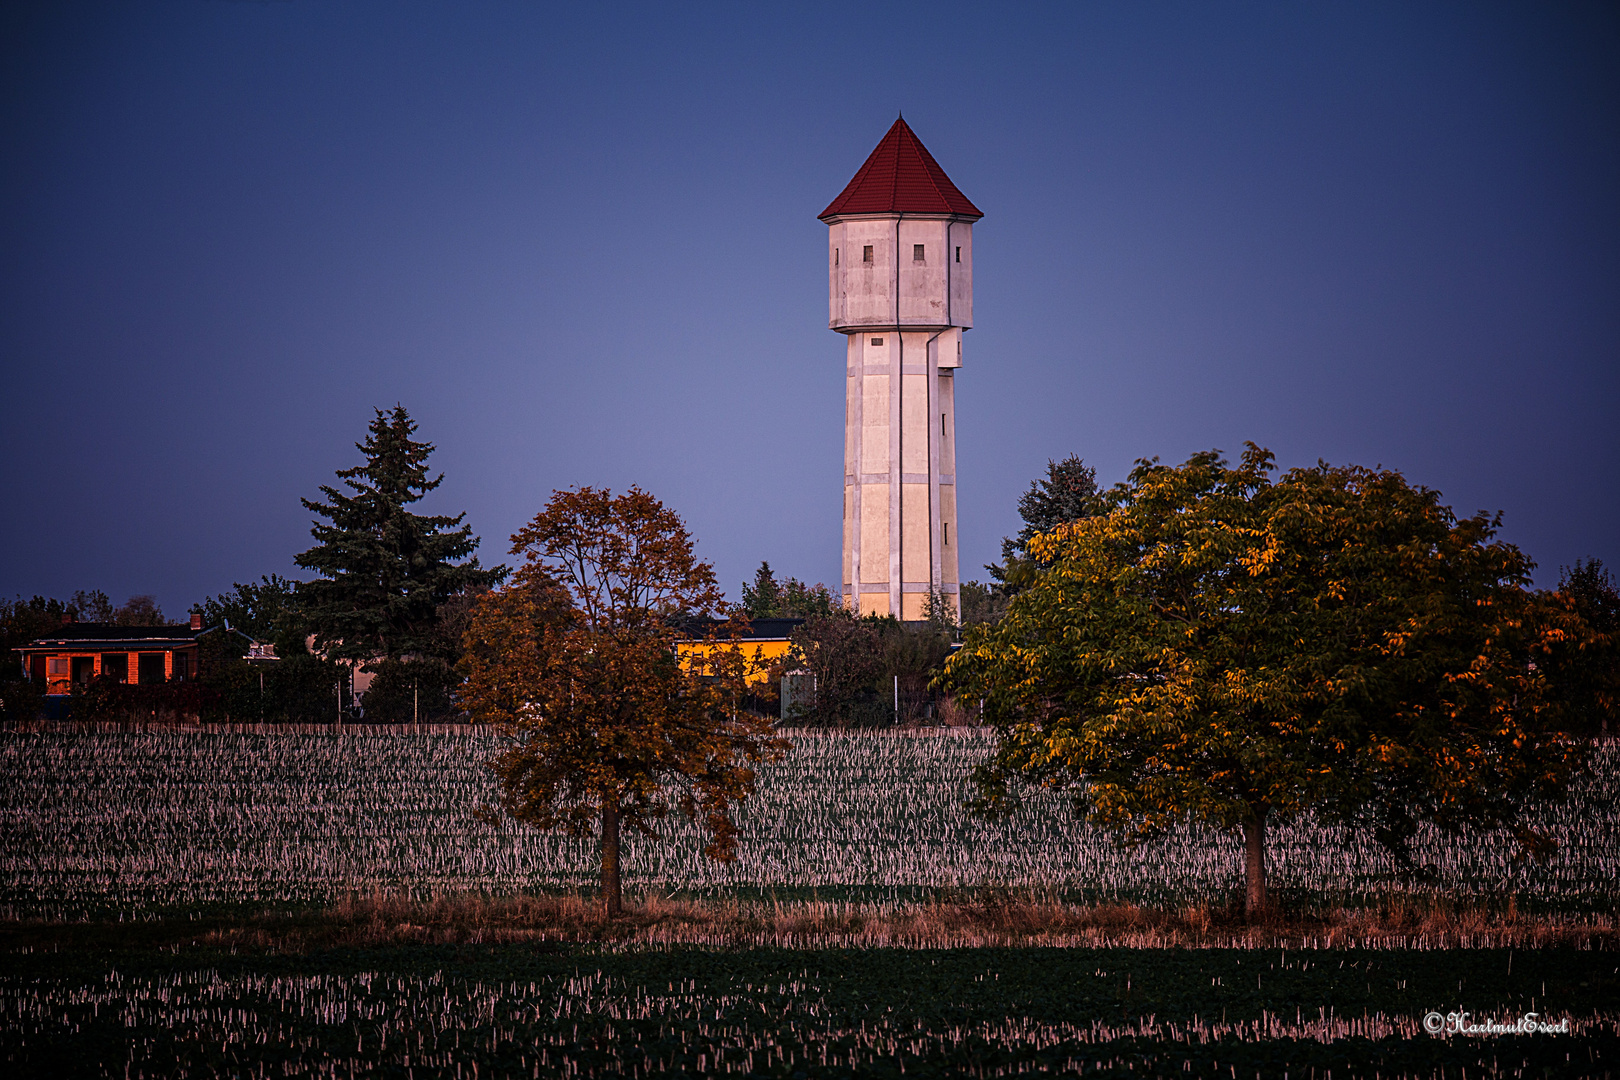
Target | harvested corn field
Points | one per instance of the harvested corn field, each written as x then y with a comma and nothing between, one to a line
131,823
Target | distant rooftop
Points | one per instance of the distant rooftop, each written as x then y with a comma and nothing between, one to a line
109,634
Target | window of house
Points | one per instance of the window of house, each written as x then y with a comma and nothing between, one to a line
151,668
84,669
182,666
115,666
916,253
58,665
866,253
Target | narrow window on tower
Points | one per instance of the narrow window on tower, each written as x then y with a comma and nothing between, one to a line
835,256
916,253
958,253
942,425
947,527
866,253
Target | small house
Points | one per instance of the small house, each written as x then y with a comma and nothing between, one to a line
138,655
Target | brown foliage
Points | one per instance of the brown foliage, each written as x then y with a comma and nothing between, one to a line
575,664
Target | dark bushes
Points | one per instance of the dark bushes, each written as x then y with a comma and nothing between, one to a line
406,691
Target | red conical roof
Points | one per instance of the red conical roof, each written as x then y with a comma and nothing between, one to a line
901,177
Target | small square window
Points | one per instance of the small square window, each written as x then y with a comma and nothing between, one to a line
877,341
916,253
866,253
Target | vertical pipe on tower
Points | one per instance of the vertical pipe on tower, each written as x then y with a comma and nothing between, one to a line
897,382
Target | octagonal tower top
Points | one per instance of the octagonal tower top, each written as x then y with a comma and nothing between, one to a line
901,177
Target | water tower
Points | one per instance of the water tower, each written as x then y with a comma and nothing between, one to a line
900,289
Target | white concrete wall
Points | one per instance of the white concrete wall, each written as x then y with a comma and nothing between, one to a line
935,291
900,527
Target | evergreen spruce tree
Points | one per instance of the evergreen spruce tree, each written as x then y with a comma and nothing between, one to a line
1069,493
384,570
762,599
768,598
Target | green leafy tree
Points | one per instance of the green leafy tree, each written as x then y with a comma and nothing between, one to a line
412,691
913,654
21,621
844,654
299,686
862,664
767,598
1068,493
385,571
1240,651
576,665
264,610
92,606
1592,670
939,614
139,610
982,603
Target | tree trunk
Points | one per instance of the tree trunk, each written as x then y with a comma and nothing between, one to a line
1254,849
612,899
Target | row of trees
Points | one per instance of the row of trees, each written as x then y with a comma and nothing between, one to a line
866,671
1206,642
393,597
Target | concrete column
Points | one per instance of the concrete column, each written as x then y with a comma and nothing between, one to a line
902,296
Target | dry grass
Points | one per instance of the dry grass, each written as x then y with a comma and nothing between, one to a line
1402,921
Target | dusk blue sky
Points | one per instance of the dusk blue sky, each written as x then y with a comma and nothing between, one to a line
579,243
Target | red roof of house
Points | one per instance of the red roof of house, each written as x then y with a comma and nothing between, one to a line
901,177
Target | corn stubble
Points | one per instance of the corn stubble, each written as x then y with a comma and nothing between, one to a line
128,824
332,904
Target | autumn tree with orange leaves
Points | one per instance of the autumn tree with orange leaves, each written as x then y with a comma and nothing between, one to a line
1239,650
575,664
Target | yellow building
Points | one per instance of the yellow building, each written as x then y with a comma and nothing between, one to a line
763,649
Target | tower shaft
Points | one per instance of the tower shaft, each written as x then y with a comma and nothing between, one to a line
900,470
